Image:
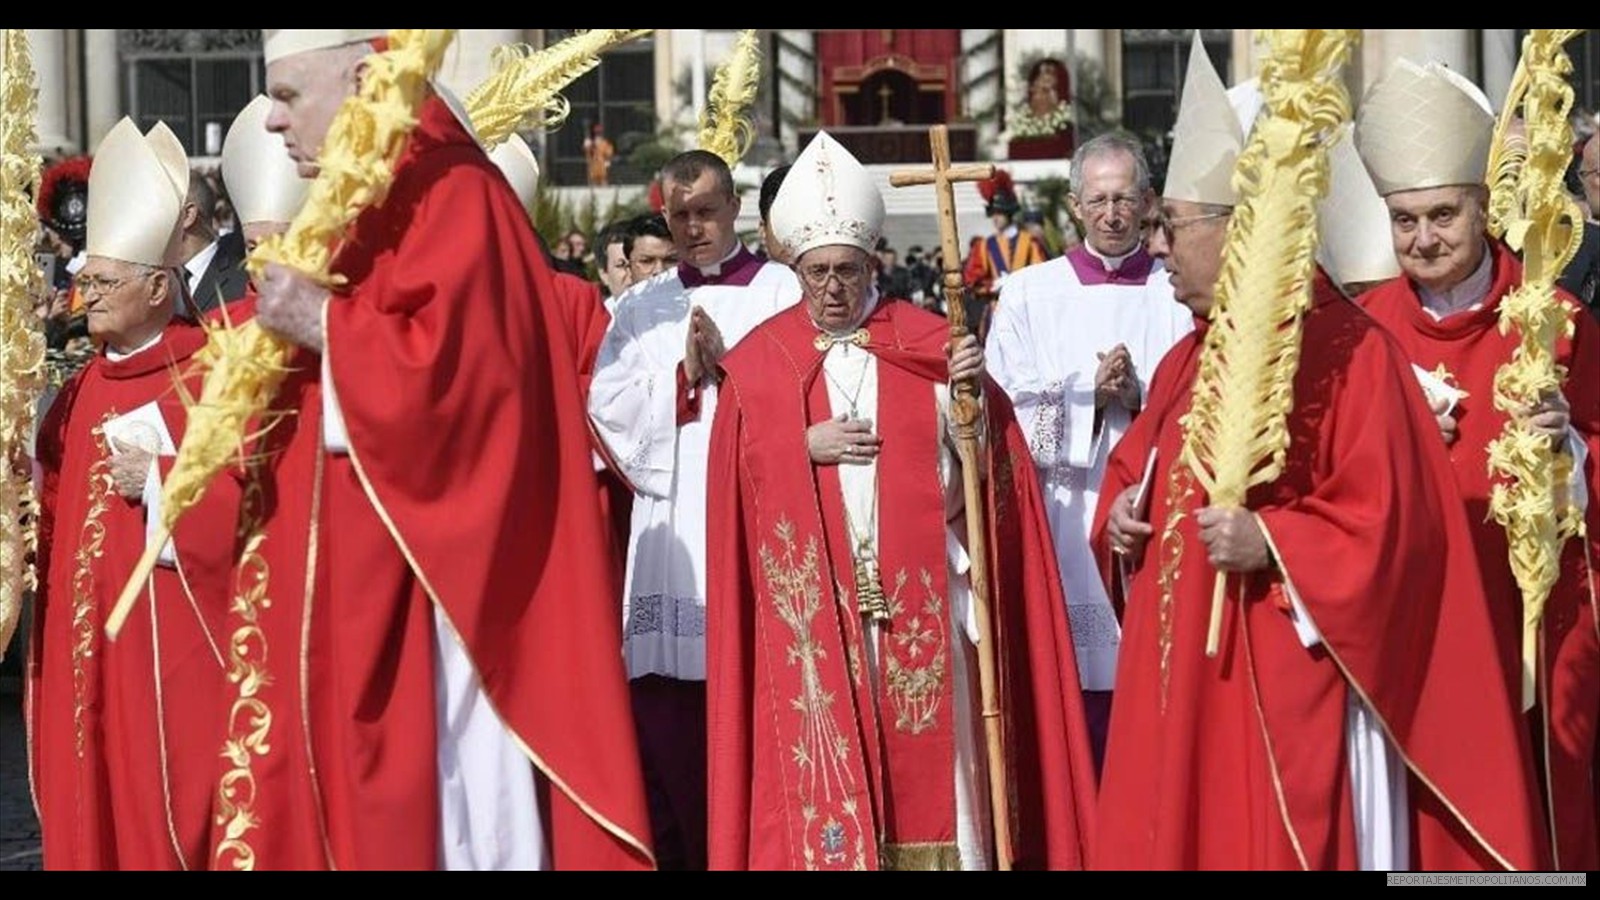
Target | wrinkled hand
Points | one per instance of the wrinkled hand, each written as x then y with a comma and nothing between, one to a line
1447,422
842,440
704,350
1126,531
290,304
1233,539
130,466
1114,379
1549,417
966,361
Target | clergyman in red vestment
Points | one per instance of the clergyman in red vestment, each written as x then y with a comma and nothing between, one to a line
843,712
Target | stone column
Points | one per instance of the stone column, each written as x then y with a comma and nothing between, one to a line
101,83
48,49
1500,54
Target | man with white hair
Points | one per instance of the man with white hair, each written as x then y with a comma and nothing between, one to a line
1424,133
1291,748
1073,342
458,701
124,734
841,663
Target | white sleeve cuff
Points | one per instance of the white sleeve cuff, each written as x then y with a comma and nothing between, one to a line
152,515
334,436
1577,484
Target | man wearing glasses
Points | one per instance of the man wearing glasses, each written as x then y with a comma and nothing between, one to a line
124,735
1291,748
841,672
1073,342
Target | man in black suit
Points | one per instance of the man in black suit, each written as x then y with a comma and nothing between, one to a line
214,266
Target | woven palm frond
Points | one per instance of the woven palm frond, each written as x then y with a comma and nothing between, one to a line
245,365
1236,433
1546,225
524,90
724,129
22,369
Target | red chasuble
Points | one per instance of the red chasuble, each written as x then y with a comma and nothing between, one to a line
1240,762
124,736
468,446
806,768
1470,349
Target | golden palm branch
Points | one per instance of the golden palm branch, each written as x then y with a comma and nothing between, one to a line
22,373
524,91
1236,433
724,130
247,364
1542,221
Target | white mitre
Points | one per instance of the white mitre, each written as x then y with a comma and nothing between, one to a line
515,158
1424,127
827,198
263,183
278,43
136,193
1355,244
1207,138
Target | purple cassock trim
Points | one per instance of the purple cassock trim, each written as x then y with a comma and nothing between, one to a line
736,272
1091,271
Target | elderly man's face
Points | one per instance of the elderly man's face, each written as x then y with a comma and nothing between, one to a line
124,303
1109,203
1188,238
836,279
307,90
1438,233
1589,171
701,217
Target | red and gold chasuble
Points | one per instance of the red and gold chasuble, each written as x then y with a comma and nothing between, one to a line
1240,761
123,735
809,767
1468,349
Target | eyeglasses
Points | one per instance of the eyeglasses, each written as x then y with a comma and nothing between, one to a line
1099,205
1169,225
1588,173
99,286
849,274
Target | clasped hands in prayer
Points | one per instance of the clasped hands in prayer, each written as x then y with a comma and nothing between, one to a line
1232,536
1114,379
842,440
703,350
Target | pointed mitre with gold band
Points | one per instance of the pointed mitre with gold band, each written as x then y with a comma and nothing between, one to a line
827,198
263,183
278,43
1423,127
1207,138
515,158
1352,220
136,194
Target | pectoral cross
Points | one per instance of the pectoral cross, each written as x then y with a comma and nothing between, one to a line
871,602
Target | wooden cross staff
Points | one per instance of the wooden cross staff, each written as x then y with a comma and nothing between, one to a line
965,413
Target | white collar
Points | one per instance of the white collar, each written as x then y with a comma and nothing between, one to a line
715,269
114,356
1112,263
196,265
1464,297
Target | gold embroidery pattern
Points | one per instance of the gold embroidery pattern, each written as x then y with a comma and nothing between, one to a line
834,834
1180,488
91,545
914,666
249,719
